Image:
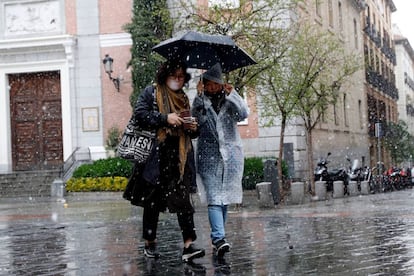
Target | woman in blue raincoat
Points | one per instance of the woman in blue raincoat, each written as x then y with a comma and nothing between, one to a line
219,158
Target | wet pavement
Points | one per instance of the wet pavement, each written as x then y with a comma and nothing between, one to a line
100,234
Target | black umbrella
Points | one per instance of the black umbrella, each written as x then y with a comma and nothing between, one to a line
200,50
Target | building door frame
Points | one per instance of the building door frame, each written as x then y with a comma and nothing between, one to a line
5,121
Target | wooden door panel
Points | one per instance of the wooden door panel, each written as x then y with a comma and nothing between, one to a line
36,120
52,146
51,110
25,145
24,111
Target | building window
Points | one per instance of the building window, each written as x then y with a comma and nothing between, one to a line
318,8
356,33
372,59
340,17
360,114
345,111
366,56
377,64
330,13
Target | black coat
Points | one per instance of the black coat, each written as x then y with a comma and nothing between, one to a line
157,181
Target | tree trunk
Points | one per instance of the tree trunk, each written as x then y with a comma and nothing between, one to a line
280,157
309,145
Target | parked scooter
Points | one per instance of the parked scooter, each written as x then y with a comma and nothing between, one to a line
321,173
356,173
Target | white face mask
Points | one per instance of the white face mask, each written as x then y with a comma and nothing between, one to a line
174,85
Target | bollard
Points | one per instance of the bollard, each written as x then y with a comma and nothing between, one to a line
353,188
297,193
364,187
338,189
58,188
264,194
320,190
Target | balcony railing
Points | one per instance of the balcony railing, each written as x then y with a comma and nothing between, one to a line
380,42
381,83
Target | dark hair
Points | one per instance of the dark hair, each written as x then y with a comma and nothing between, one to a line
169,67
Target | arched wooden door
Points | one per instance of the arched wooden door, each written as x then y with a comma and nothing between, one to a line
36,121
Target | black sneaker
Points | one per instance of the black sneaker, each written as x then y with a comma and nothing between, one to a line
191,268
221,247
151,251
191,253
221,267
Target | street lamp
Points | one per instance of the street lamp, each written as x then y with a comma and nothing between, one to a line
108,62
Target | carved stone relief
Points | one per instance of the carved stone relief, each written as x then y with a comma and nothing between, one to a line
32,18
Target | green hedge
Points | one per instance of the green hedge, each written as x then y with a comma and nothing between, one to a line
253,172
111,174
110,167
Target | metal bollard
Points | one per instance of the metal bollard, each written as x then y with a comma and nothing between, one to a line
270,175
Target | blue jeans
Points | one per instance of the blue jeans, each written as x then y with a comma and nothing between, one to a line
217,215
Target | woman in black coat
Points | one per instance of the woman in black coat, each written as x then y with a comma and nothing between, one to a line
166,180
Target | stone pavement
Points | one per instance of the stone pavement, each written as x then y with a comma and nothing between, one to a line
100,234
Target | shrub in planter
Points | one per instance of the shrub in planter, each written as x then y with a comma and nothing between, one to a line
253,172
114,137
109,174
109,167
95,184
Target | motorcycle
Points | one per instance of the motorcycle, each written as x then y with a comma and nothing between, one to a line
396,179
321,173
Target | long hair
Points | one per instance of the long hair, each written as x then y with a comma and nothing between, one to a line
169,67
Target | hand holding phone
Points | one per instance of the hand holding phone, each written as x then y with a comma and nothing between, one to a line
200,87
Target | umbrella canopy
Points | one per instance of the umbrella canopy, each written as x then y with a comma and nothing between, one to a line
200,50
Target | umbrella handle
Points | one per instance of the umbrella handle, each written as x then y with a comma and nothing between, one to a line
200,94
201,91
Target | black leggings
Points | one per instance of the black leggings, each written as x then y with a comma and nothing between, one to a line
150,223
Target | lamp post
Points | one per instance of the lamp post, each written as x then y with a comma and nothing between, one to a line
108,62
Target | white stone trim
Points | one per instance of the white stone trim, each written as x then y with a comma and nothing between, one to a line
114,40
36,42
5,129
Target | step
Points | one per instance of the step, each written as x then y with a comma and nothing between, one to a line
27,183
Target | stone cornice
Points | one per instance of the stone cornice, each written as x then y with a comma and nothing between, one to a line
114,40
67,42
406,44
19,43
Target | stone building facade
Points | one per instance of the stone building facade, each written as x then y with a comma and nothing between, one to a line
380,78
404,74
344,131
56,99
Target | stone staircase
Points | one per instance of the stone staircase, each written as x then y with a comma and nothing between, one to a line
27,183
46,183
